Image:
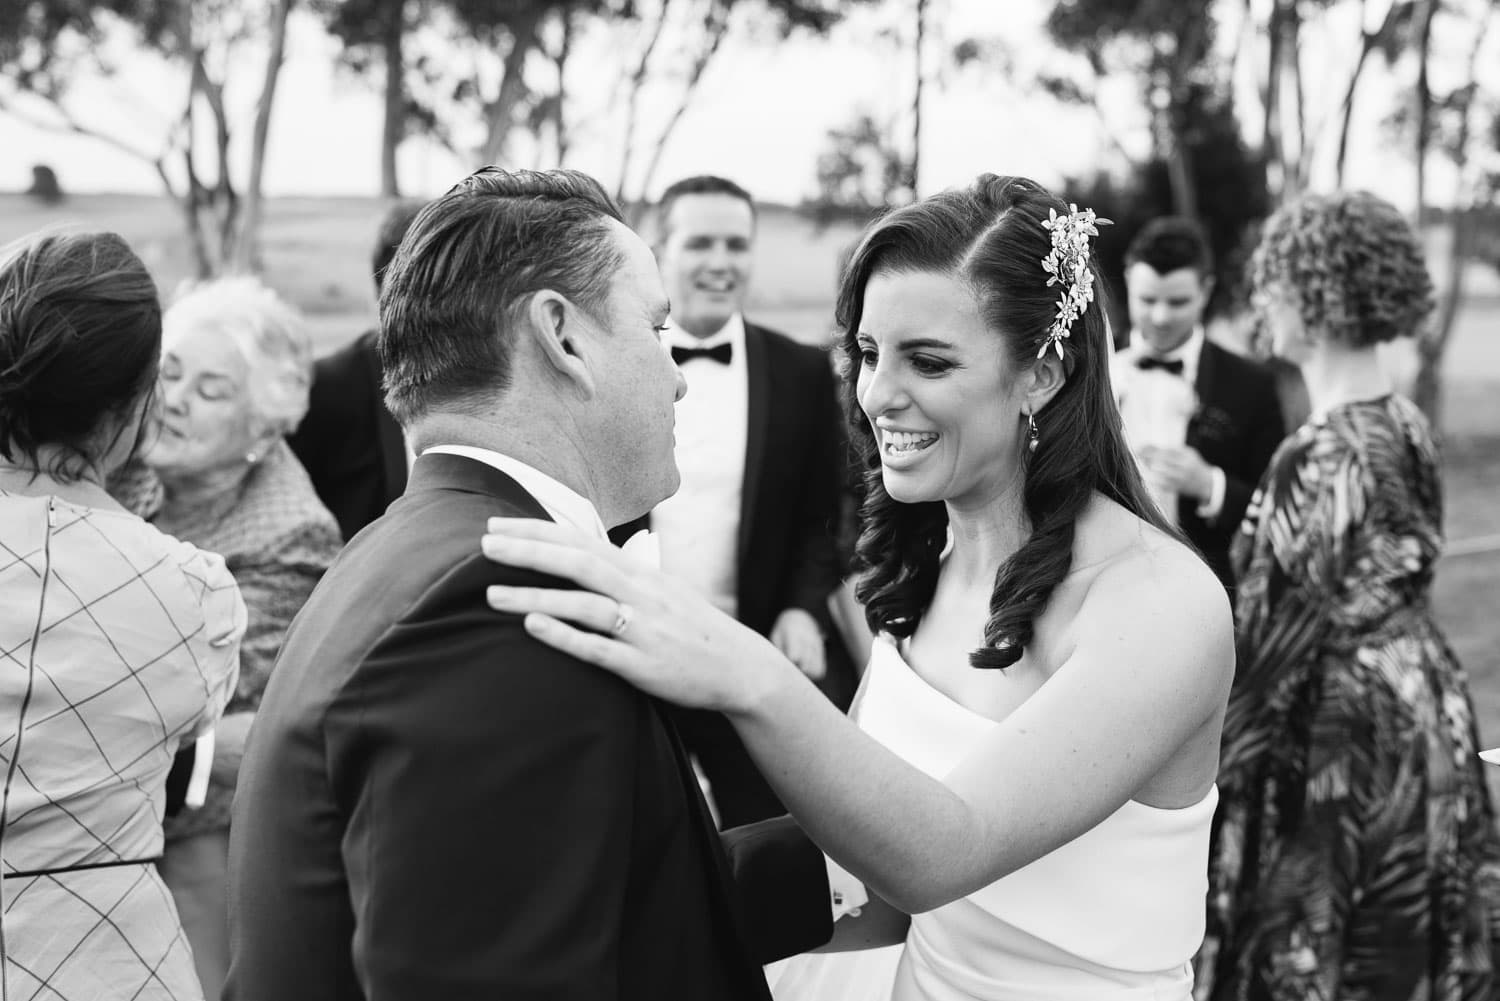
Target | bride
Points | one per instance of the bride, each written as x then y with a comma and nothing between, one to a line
1030,770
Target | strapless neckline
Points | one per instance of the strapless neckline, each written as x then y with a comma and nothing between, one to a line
903,665
1114,915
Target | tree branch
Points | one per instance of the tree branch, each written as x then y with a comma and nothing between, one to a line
635,81
717,22
499,114
247,239
68,124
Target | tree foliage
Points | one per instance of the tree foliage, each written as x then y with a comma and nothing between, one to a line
860,173
45,45
1234,199
1162,44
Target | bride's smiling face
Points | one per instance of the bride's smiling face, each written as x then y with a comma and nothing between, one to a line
942,396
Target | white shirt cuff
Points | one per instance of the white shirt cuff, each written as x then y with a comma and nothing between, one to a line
203,765
846,894
1209,509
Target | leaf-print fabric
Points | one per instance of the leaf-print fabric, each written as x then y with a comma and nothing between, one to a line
1354,855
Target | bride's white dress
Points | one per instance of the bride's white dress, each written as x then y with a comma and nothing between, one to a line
1114,915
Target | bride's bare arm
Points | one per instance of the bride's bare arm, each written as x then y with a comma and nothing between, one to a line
1150,671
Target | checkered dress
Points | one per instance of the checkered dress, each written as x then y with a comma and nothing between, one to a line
117,644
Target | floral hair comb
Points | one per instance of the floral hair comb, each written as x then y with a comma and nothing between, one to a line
1067,264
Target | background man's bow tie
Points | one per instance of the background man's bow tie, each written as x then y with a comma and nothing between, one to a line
720,353
1146,363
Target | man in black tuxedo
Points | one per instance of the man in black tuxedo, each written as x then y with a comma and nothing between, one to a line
759,445
1202,420
432,804
349,443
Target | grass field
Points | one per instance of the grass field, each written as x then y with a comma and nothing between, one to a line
316,253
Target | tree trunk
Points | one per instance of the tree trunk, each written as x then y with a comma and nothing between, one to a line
916,104
499,114
1367,42
634,83
193,196
193,204
1180,168
1189,53
1297,170
1245,28
1432,345
1270,144
221,202
393,125
717,24
1423,107
247,247
1346,111
559,114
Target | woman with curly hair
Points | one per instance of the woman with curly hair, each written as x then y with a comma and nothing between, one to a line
1027,783
1355,853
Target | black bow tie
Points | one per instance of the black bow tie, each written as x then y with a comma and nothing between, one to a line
720,353
1146,363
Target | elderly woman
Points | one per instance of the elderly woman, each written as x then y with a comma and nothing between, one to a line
236,365
1355,852
120,642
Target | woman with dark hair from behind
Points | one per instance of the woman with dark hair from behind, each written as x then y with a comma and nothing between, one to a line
1030,768
1355,855
122,643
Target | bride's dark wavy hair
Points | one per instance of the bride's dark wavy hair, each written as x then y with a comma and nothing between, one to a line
990,236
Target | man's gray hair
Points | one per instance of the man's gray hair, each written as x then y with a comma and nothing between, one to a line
268,331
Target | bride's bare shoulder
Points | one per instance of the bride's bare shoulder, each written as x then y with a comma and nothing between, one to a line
1135,570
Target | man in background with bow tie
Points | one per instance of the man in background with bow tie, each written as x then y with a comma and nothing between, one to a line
1203,421
759,449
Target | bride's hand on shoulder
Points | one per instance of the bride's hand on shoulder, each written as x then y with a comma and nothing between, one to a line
652,630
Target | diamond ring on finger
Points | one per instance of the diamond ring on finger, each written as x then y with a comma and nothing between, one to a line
622,620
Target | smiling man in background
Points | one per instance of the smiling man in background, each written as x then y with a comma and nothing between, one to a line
758,444
1202,420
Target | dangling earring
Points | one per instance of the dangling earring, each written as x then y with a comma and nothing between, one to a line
252,458
1033,436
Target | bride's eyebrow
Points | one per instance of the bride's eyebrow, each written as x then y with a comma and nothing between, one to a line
916,343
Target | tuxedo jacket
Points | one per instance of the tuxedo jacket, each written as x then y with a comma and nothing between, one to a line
786,553
349,443
434,805
790,498
1236,426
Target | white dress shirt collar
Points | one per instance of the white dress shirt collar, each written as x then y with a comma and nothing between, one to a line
1188,352
699,526
565,505
731,333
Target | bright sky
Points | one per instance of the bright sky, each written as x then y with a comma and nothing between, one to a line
761,115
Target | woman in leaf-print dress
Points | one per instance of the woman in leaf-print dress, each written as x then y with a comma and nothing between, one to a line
1355,853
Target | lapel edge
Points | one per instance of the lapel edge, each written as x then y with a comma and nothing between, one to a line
758,390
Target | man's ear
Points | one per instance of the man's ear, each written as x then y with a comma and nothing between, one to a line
556,329
1047,377
1208,287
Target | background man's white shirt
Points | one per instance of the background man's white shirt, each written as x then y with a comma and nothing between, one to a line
698,527
1156,407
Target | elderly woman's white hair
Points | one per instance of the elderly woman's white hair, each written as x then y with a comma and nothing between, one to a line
268,331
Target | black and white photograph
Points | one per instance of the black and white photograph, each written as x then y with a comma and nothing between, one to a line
749,500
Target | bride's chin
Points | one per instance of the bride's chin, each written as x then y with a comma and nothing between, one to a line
904,491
